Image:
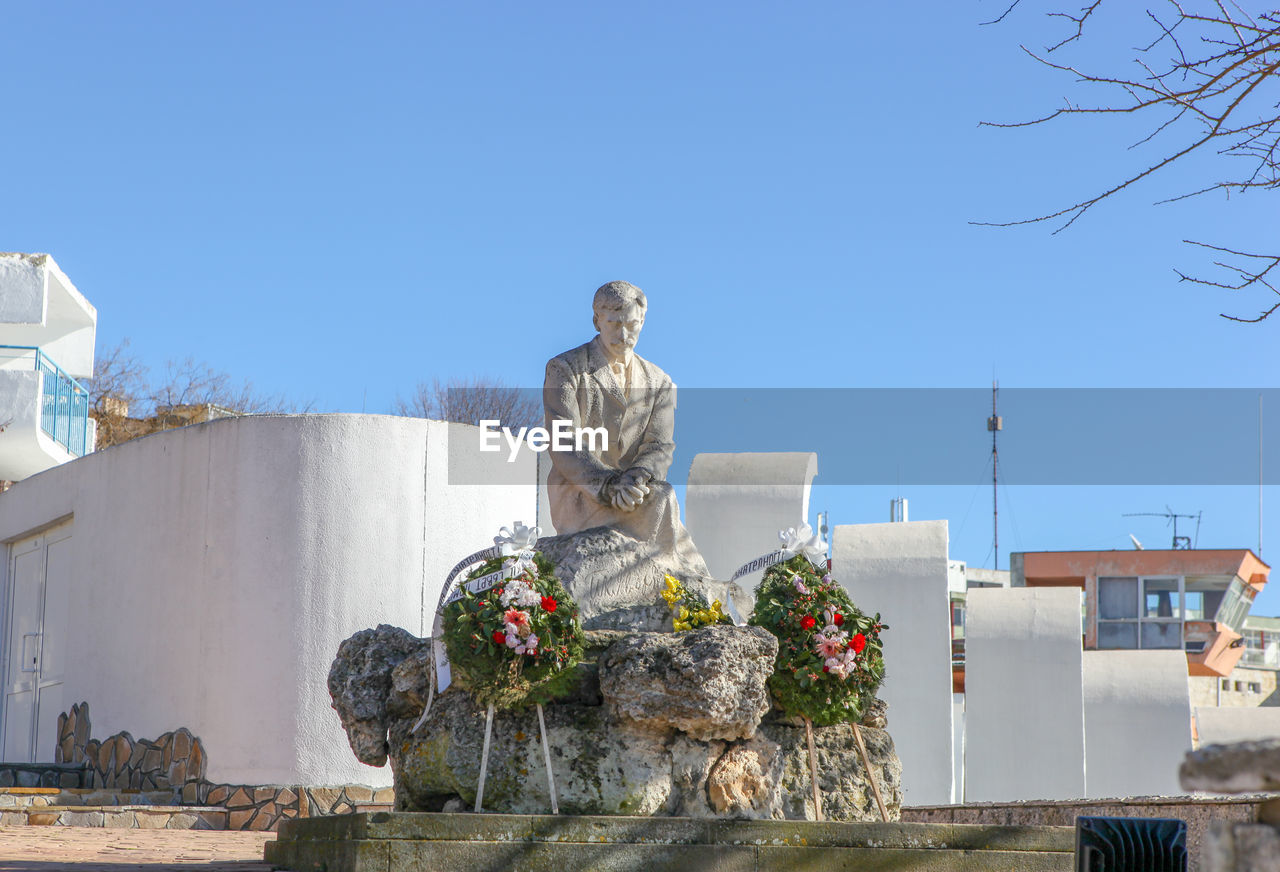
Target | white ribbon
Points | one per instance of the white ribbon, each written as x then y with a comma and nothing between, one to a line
517,539
804,541
521,561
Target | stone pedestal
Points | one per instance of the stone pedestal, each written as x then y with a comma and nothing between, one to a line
659,724
617,581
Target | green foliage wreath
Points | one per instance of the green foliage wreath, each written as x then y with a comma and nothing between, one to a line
517,642
830,660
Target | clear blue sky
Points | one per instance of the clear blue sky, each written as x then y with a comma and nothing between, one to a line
337,201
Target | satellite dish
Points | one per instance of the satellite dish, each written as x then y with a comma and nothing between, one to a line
1136,543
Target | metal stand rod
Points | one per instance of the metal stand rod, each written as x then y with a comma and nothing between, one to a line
546,755
866,765
484,757
813,770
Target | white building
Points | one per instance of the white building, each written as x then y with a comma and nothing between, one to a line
47,331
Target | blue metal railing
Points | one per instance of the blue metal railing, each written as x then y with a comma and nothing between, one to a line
64,409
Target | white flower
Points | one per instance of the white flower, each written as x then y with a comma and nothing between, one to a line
515,591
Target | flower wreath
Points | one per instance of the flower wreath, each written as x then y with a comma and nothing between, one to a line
830,660
519,641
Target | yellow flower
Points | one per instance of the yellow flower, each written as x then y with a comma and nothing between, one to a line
674,591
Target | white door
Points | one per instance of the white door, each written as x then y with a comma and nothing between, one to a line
35,621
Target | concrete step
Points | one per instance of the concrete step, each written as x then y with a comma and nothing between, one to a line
565,843
142,817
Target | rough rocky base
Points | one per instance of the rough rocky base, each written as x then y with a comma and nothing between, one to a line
659,724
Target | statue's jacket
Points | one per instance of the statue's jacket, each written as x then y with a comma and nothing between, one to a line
580,389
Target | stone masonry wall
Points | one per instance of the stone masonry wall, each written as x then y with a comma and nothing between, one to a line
177,762
125,763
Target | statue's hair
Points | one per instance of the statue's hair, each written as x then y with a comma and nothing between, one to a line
618,295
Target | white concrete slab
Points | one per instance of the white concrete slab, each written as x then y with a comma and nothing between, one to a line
1220,726
735,504
900,571
1137,717
1024,705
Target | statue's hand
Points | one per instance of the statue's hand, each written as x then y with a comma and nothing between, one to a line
626,490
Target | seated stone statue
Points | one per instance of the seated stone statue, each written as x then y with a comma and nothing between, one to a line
621,485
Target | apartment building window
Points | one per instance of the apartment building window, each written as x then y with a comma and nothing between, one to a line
1142,612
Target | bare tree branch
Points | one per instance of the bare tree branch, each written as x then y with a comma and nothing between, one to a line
470,401
1218,91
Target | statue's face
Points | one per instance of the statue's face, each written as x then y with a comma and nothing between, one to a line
619,330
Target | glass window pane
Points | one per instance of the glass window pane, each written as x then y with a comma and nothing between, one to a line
1160,598
1194,605
1117,598
1117,635
1161,635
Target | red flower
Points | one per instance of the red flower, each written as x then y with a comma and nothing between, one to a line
857,643
499,637
807,622
837,619
549,603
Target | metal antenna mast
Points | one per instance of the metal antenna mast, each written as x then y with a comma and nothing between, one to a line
995,424
1172,519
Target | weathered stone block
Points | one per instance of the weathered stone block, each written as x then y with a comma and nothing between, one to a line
182,743
708,683
146,819
747,780
1257,848
360,682
1242,767
323,799
196,761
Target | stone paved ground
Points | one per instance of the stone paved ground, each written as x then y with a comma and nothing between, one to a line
102,849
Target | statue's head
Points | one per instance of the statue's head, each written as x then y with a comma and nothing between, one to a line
619,309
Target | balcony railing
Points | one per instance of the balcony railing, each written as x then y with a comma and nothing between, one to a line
1268,658
64,411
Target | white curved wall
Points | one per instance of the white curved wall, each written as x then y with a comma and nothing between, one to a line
219,566
735,504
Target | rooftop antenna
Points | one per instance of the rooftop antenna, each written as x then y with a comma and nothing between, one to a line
995,424
1180,543
1136,543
